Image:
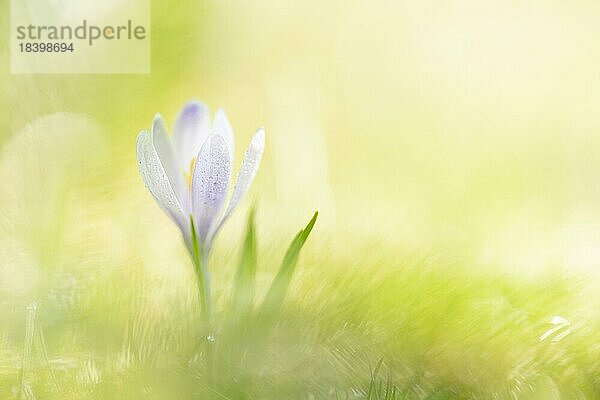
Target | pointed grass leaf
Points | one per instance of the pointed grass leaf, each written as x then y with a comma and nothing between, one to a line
243,289
195,250
278,289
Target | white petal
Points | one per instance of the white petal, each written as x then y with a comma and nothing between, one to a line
245,176
191,129
221,126
210,180
164,149
157,182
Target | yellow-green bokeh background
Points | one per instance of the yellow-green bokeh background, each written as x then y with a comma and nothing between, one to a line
463,133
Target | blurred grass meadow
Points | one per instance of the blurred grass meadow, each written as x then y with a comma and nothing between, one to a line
451,148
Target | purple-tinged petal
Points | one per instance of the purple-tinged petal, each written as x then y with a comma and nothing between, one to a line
210,181
191,129
164,149
221,126
156,180
245,176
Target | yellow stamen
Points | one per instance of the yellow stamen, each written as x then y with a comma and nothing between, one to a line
188,174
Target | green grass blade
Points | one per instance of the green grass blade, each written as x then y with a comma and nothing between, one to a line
372,385
243,288
195,249
278,289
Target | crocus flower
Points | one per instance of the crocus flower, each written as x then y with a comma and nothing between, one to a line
188,173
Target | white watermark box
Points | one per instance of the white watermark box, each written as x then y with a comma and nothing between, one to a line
80,36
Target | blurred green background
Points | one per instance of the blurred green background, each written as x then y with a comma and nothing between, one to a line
452,149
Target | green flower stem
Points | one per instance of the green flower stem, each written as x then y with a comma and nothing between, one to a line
201,268
201,264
